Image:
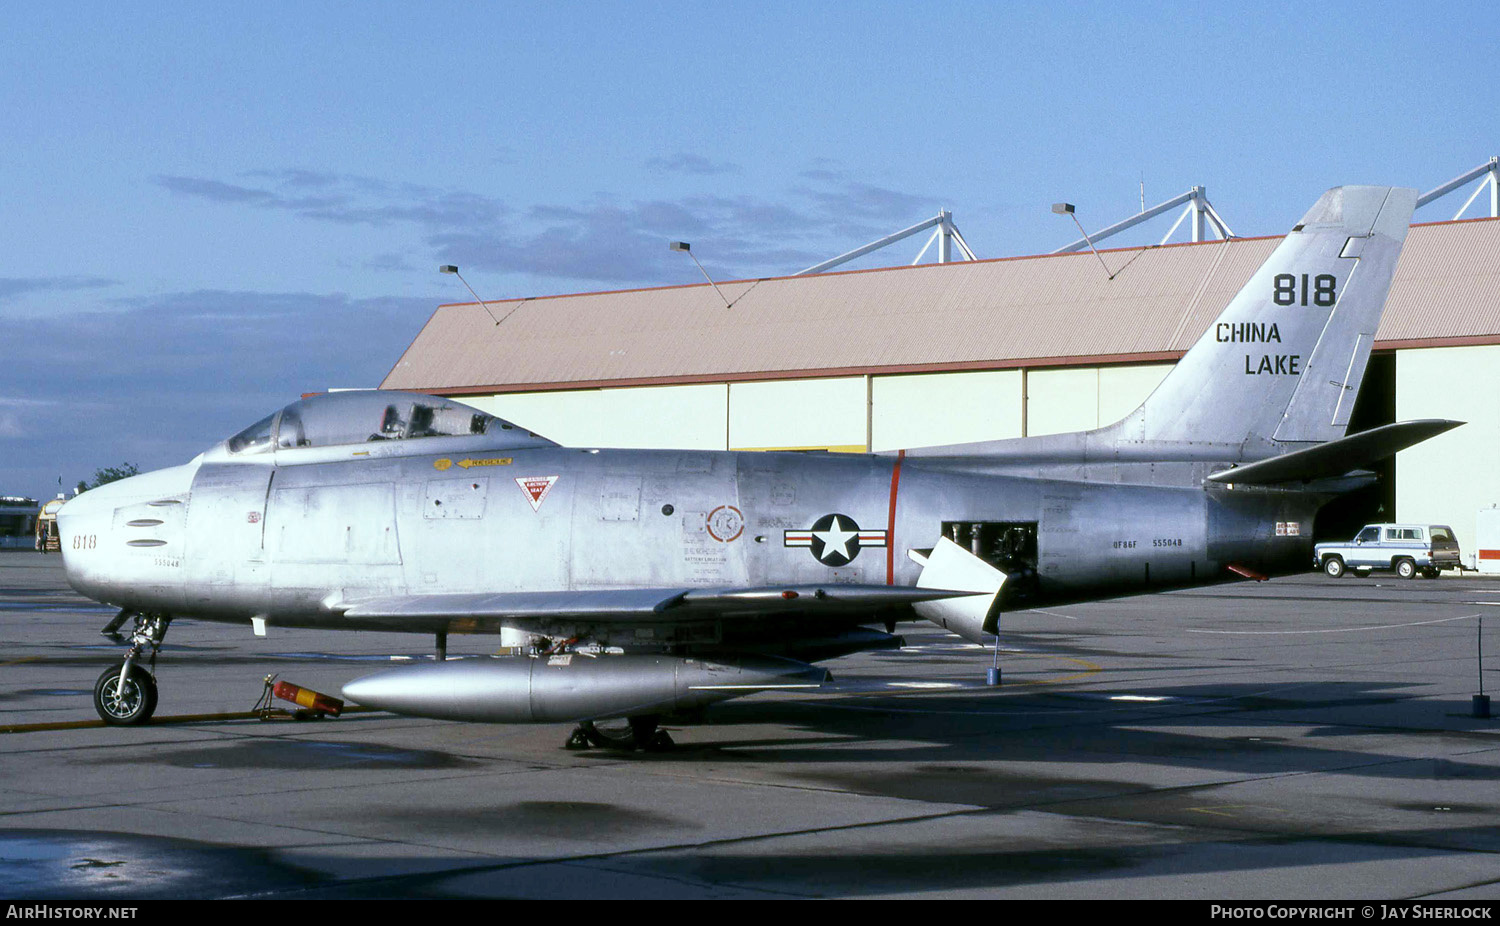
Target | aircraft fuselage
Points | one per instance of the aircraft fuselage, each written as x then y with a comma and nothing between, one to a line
288,541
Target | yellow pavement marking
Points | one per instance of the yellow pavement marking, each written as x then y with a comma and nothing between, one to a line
163,721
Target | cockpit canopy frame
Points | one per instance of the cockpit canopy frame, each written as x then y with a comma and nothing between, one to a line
362,416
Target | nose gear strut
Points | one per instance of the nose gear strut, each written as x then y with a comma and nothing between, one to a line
126,695
112,629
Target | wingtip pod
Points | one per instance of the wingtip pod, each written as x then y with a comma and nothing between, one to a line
1360,211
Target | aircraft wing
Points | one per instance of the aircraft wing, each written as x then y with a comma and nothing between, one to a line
488,611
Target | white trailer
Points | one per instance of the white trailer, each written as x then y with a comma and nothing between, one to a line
1487,540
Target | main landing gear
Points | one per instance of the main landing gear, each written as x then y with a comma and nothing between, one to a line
634,733
125,695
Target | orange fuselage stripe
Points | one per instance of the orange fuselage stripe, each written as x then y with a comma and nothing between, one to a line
890,527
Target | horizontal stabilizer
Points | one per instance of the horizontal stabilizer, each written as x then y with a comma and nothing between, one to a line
1336,457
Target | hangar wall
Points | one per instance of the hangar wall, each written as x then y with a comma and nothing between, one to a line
1447,480
800,413
934,354
1444,480
852,414
928,409
690,417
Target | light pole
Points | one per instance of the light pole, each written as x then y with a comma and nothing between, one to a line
450,268
688,250
1067,210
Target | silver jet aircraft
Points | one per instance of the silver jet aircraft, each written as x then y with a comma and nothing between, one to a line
643,583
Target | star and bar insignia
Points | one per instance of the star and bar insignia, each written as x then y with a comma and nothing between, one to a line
835,539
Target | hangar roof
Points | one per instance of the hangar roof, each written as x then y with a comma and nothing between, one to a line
991,314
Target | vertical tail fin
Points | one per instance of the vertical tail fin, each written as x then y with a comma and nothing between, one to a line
1285,359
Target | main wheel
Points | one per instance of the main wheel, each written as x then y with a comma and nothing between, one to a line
636,733
1334,567
1406,569
134,705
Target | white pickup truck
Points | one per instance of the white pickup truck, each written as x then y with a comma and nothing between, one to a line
1408,549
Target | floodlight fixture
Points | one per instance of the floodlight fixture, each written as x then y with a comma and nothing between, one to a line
453,269
1068,210
688,249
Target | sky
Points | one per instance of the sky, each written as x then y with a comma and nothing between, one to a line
207,210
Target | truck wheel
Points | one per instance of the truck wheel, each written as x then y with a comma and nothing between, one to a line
1429,573
1334,567
1406,569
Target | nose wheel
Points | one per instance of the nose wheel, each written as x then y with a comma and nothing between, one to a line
128,703
125,695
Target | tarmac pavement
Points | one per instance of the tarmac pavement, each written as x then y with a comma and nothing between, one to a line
1304,738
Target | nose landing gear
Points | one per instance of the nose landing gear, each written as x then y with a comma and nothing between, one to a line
132,702
125,695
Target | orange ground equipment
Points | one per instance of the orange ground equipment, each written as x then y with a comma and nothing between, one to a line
306,697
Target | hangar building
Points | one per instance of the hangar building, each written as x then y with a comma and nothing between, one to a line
885,359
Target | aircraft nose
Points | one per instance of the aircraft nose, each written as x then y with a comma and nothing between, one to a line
86,506
81,524
101,529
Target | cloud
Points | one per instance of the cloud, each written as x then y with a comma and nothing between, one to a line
443,210
216,191
862,200
345,199
388,263
609,242
156,379
10,287
293,177
160,379
601,240
10,424
23,416
605,242
694,164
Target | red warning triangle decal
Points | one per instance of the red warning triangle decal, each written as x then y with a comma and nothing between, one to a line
536,488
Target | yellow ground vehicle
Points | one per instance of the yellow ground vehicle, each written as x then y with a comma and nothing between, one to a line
47,538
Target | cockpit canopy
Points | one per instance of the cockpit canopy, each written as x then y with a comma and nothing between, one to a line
371,415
